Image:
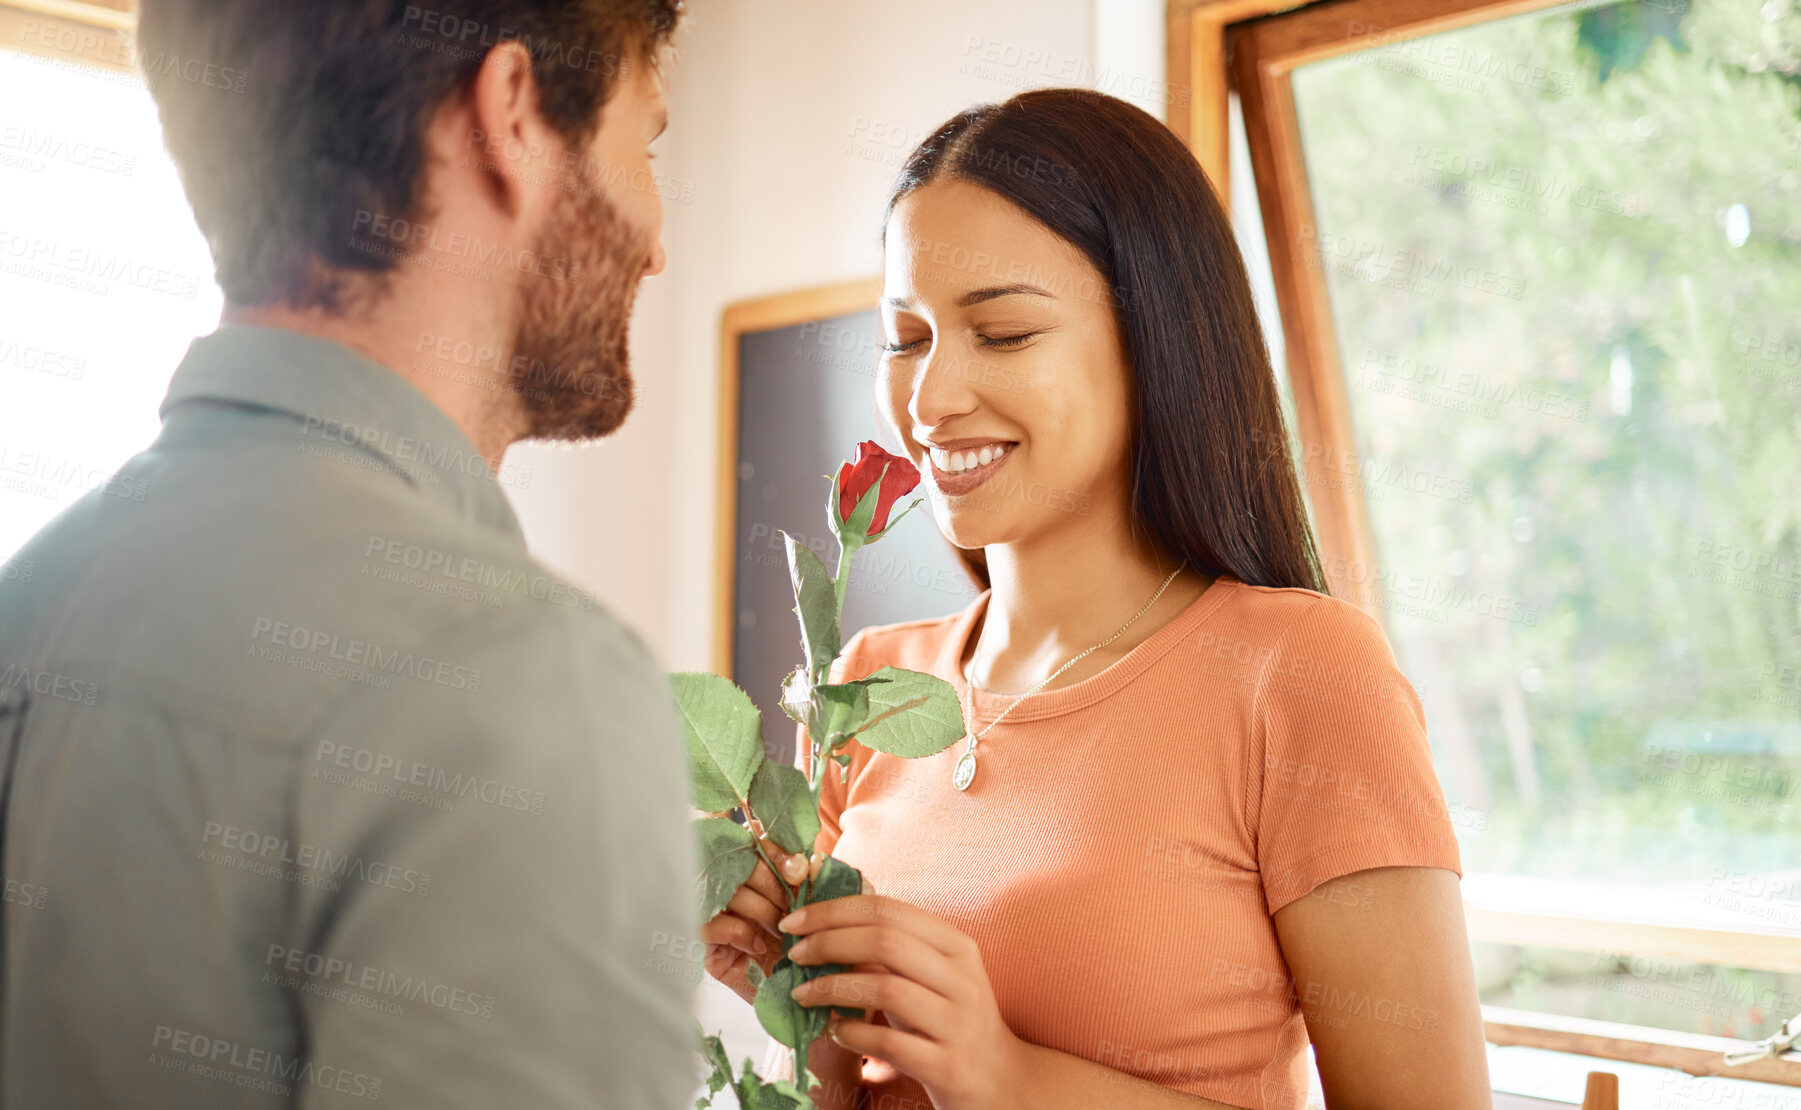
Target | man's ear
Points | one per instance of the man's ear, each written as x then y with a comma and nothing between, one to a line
507,133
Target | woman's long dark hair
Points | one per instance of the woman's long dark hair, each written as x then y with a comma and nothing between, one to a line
1212,478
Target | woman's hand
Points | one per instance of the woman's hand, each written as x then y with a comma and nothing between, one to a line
944,1027
745,930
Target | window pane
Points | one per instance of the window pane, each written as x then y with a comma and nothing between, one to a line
1561,251
103,281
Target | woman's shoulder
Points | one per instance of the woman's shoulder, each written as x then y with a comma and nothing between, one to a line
1282,617
1277,642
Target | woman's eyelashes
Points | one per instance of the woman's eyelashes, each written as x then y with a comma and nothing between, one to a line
992,342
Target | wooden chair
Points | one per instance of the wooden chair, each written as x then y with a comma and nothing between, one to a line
1603,1091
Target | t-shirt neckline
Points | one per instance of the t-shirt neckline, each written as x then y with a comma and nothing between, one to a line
983,706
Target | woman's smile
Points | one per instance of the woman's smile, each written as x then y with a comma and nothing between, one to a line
960,472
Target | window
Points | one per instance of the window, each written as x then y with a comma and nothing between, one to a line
1538,276
103,280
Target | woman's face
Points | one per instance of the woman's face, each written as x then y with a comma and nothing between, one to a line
1002,337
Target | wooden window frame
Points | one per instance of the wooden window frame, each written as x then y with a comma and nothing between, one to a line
96,33
1251,47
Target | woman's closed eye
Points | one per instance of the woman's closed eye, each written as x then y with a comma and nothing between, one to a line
994,342
1006,342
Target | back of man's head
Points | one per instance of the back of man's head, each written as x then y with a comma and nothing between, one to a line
316,112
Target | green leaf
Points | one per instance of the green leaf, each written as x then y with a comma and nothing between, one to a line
895,518
719,1065
837,879
794,695
783,801
914,714
783,1018
816,603
728,856
846,708
755,1093
724,733
753,973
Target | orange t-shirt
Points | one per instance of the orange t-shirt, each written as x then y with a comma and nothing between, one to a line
1127,838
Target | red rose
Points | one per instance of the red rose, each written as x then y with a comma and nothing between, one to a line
854,480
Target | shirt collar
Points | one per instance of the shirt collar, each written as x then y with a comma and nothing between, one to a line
344,400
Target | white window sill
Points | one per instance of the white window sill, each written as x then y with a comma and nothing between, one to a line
1538,1079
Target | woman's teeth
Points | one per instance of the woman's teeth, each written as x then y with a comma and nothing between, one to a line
952,462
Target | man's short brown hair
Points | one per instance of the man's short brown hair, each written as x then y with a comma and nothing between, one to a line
325,118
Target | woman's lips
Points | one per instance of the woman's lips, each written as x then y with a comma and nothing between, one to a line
966,481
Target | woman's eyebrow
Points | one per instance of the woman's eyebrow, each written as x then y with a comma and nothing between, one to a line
977,296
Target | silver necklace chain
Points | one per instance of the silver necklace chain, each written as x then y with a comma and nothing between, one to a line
964,772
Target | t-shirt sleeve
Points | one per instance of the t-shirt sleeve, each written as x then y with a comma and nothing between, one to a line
1341,773
832,794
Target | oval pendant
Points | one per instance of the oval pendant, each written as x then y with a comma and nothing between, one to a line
965,772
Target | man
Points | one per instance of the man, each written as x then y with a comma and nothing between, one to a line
317,790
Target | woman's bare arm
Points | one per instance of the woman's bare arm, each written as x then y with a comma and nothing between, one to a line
1381,967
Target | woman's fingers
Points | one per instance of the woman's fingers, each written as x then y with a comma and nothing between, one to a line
746,936
753,905
764,882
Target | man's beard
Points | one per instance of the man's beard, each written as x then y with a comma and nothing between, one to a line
576,382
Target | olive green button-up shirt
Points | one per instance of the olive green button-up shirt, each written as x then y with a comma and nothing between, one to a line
316,790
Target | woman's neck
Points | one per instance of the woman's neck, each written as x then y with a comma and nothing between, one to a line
1050,601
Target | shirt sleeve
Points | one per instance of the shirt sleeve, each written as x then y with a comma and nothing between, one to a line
847,667
520,927
1341,773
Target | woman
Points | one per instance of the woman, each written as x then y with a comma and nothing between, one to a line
1197,840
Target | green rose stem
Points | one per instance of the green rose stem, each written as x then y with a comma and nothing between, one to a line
896,711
